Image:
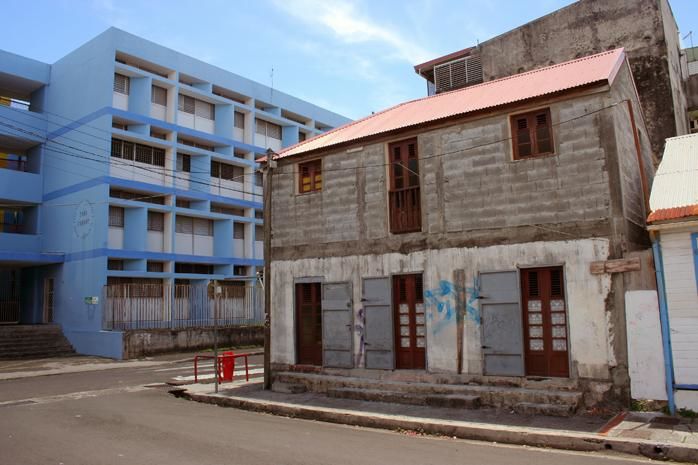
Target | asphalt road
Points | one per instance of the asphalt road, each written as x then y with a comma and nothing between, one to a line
108,417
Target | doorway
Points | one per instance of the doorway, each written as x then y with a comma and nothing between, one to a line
545,322
48,300
410,322
309,323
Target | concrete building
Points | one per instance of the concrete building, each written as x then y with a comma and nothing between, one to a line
645,28
674,227
467,239
692,87
131,165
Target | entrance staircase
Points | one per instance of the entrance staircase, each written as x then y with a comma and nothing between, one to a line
542,400
33,341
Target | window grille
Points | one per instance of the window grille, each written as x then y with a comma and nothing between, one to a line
238,231
116,217
156,221
122,83
159,96
239,120
203,227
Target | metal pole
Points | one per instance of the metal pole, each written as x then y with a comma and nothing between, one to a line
215,333
267,173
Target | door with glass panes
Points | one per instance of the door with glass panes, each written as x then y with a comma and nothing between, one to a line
410,322
545,322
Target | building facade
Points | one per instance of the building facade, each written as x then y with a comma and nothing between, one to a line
645,28
673,224
463,238
127,164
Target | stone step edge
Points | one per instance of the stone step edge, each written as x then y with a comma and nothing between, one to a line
569,396
528,436
397,397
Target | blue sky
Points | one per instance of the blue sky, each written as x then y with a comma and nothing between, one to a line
350,56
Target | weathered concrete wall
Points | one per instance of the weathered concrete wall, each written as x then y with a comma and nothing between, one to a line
645,28
470,196
590,330
138,343
692,91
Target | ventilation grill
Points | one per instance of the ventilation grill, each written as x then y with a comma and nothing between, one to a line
556,283
533,289
458,73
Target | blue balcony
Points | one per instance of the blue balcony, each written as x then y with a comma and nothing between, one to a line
17,122
19,186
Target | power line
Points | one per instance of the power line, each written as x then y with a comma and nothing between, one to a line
111,160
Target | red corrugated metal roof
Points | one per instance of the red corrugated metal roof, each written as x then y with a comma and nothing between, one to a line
601,67
673,213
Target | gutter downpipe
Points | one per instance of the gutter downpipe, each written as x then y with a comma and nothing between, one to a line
664,323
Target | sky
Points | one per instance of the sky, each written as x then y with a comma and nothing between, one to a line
349,56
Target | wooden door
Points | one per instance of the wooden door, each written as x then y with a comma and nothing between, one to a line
404,204
545,321
309,323
410,322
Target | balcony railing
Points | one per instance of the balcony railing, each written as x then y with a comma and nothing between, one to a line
405,210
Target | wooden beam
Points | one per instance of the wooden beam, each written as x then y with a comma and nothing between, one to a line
620,265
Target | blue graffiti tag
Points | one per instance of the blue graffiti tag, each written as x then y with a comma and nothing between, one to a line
442,303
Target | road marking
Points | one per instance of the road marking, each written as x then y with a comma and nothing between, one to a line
73,396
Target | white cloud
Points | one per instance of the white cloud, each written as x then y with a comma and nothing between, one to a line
351,27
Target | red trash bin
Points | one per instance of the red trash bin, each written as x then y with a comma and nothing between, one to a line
228,366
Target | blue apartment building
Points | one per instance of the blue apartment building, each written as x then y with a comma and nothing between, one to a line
128,164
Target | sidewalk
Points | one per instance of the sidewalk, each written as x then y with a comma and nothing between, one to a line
649,435
15,369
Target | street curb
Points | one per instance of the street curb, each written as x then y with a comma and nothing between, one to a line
567,440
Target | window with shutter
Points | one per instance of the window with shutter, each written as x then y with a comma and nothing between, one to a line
183,162
186,104
238,231
204,109
259,233
121,83
159,96
310,176
273,131
404,200
260,127
116,217
532,134
184,225
156,221
203,227
239,120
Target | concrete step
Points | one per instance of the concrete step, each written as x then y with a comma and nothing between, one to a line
288,388
489,396
33,341
396,397
530,408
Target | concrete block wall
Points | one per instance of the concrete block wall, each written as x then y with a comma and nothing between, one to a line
466,193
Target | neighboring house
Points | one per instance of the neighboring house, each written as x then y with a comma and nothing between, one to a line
673,224
459,236
692,87
645,28
129,165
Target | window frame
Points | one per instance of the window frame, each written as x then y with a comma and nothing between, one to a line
531,117
156,225
315,171
404,197
118,219
122,84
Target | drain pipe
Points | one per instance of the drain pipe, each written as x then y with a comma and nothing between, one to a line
664,323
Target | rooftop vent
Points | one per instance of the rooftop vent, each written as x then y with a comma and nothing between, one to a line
458,73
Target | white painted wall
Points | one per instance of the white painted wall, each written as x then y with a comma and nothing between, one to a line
645,356
185,119
258,249
267,142
158,111
203,245
120,101
239,247
589,328
136,171
115,238
156,241
181,180
227,188
184,243
204,124
682,304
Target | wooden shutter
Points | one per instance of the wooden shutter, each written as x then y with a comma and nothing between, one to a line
260,127
310,176
156,221
532,134
404,196
204,109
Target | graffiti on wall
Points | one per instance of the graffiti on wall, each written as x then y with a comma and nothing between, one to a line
359,328
446,301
